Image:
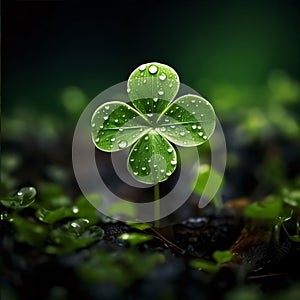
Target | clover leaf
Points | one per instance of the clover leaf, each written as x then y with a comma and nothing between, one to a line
152,122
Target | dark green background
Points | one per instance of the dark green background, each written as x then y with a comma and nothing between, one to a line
49,45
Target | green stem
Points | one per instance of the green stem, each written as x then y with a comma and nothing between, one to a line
156,205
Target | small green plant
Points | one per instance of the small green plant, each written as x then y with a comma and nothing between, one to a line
151,122
277,210
220,257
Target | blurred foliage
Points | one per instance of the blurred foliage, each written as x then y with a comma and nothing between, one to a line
220,257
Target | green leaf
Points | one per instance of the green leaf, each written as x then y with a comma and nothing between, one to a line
188,121
34,234
52,216
116,126
267,209
204,265
152,82
291,197
222,256
135,238
152,159
74,235
295,238
81,209
24,198
139,226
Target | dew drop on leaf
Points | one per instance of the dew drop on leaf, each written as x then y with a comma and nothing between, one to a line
153,69
105,118
142,68
170,150
162,77
143,168
106,107
161,93
122,144
173,162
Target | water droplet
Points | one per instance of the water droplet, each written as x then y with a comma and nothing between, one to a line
146,138
105,118
112,139
200,133
182,133
161,93
169,173
20,193
116,120
93,125
163,129
97,140
143,168
149,115
121,129
193,101
101,126
153,69
173,162
155,166
106,107
205,137
199,127
142,68
147,148
122,144
162,77
75,210
179,116
132,159
145,80
202,115
162,171
4,216
155,99
194,127
171,84
128,90
136,173
170,150
173,126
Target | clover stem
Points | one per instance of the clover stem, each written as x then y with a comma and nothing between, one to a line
156,205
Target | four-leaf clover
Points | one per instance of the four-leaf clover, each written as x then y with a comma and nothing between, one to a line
152,122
